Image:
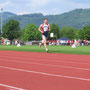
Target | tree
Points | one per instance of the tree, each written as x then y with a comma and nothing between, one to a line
0,33
86,31
30,32
68,32
79,34
22,32
11,30
83,33
54,29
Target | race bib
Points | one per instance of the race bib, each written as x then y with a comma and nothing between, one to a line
45,28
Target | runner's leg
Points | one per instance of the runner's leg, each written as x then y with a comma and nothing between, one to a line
45,42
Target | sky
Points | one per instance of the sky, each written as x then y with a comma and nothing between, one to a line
47,7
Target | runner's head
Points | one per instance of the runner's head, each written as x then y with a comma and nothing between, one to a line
45,20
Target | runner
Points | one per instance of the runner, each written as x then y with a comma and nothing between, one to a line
44,28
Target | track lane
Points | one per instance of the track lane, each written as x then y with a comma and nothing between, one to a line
48,69
52,62
46,55
43,64
32,81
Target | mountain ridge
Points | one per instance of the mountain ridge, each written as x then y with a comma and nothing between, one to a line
77,18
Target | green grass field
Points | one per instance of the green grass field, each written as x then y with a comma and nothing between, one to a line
53,49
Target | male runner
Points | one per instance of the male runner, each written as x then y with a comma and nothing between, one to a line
44,28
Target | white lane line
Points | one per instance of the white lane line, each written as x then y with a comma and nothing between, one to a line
11,87
43,73
50,60
41,64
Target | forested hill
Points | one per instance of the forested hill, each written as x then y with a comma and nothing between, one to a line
77,18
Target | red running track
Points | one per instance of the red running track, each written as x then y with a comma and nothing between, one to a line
44,71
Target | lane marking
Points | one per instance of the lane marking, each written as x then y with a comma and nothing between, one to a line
84,69
11,87
43,73
50,60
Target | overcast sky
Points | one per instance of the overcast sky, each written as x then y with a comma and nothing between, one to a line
42,6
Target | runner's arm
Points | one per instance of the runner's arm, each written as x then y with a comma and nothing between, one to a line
40,28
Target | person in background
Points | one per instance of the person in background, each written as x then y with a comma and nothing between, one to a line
82,42
2,41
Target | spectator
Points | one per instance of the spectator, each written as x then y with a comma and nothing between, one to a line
2,41
82,42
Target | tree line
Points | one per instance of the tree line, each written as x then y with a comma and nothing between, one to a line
12,31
